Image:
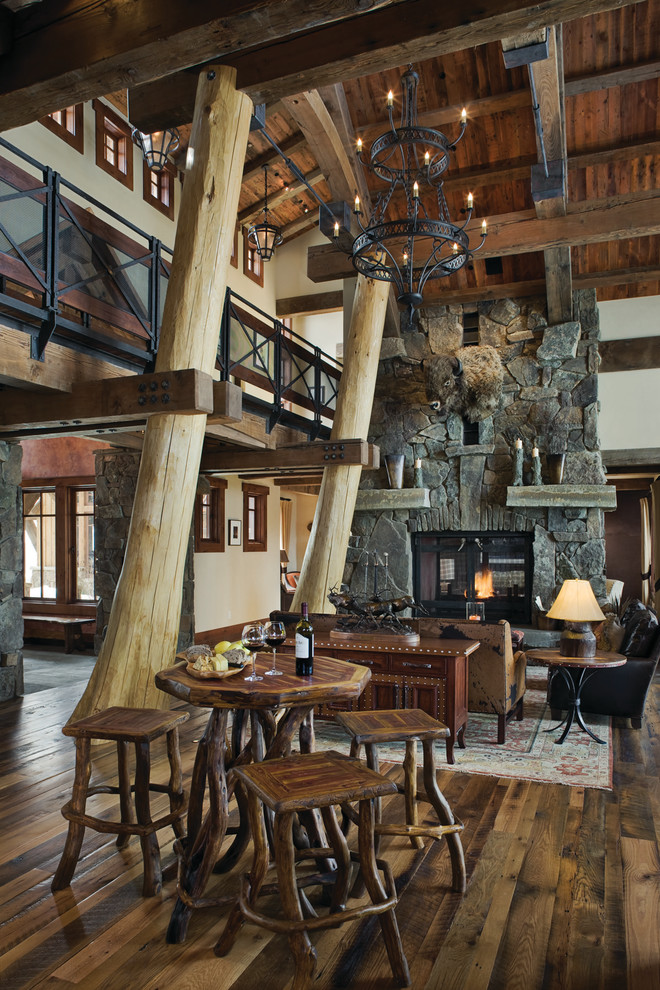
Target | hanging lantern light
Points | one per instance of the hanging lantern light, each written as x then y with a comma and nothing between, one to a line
155,147
265,236
411,251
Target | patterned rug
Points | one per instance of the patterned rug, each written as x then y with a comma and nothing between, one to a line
529,753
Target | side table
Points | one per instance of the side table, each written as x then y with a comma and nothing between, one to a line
587,667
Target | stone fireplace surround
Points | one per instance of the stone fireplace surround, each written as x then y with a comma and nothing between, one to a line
549,399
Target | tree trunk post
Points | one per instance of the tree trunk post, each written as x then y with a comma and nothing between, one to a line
323,565
144,621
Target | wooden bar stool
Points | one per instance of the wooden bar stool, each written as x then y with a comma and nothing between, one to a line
408,725
291,786
125,725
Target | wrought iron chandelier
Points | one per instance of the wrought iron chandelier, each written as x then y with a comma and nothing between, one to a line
157,146
411,251
265,236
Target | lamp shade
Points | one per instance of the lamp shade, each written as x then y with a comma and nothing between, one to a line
576,602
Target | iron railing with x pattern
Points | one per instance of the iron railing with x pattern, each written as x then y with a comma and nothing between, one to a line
75,273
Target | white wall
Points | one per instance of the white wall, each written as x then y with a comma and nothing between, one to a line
629,400
235,586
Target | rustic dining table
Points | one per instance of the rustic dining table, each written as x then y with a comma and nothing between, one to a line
267,715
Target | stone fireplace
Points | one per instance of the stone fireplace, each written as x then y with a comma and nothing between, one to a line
549,400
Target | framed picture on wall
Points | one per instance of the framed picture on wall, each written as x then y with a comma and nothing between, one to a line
234,539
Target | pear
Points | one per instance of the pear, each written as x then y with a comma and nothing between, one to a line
222,646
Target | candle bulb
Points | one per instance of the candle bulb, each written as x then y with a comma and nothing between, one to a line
463,116
359,146
484,228
470,201
357,204
427,158
415,190
390,99
336,229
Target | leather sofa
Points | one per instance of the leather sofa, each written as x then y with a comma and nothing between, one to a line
619,691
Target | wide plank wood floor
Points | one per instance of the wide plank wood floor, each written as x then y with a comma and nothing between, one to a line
563,885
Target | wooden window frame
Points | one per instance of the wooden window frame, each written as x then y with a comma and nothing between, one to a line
108,122
253,271
166,176
75,138
216,542
233,261
260,542
65,536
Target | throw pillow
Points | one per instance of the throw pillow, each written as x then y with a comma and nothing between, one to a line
640,633
610,635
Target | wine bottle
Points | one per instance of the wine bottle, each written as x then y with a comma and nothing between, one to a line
304,644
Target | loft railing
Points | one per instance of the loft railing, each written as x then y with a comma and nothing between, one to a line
289,379
75,273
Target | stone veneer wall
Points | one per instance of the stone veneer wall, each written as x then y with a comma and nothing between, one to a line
116,480
549,399
11,572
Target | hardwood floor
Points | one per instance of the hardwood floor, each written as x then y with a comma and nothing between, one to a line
563,885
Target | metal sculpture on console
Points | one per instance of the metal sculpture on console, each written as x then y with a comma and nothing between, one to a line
362,616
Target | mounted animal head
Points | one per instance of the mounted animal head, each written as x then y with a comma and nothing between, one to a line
468,383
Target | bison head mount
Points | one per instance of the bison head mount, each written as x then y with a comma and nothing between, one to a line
468,382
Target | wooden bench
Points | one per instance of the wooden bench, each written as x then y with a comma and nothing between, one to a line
69,625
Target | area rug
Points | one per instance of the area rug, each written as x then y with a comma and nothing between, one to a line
529,753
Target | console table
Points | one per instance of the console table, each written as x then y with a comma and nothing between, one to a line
432,676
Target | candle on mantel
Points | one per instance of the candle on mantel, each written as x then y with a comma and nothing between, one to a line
518,444
535,451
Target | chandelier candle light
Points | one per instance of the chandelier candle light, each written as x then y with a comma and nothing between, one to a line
409,252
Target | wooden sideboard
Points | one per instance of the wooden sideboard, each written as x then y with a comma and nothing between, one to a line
432,676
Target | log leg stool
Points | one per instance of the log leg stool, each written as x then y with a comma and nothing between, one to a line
294,785
408,725
125,725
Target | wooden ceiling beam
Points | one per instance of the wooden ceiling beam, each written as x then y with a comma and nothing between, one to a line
307,457
623,75
67,51
372,41
115,400
310,305
634,354
278,196
589,223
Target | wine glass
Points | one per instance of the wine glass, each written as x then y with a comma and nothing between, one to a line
275,636
253,640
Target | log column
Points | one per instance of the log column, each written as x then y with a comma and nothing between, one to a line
144,621
323,565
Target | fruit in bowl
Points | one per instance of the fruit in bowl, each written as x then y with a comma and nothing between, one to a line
222,646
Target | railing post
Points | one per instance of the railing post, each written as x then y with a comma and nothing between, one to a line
317,391
153,303
224,344
277,376
51,265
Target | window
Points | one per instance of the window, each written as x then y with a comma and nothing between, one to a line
158,188
255,517
68,125
58,542
253,266
210,518
114,145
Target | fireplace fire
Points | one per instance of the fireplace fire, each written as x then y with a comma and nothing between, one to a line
493,568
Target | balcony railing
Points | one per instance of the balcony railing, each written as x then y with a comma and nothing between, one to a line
75,273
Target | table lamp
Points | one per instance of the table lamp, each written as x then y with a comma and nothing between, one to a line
576,604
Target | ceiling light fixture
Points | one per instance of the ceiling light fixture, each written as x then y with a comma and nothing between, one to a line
265,236
155,147
411,251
